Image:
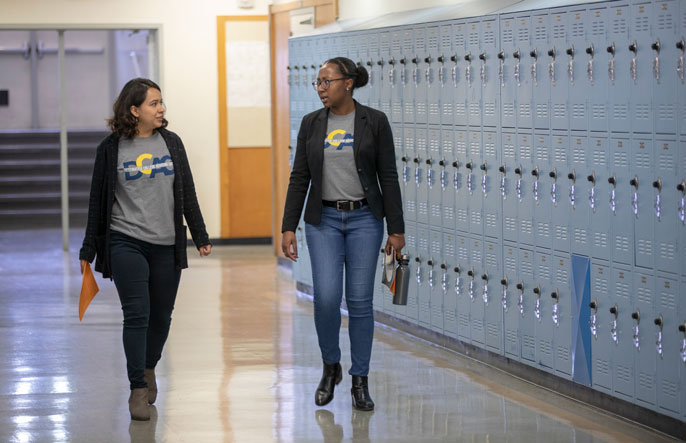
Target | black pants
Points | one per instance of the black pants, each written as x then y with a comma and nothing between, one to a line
146,280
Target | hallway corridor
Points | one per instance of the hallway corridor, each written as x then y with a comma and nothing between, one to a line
241,365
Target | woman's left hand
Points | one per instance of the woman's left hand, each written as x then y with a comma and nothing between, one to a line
205,250
397,242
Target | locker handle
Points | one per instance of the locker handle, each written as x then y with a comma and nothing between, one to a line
391,61
555,295
612,180
634,182
470,273
634,47
593,305
288,68
429,162
611,49
534,54
402,61
590,50
404,159
681,186
418,259
415,60
369,63
517,54
682,327
300,228
656,46
482,56
614,310
553,174
504,282
442,162
469,166
681,45
457,270
537,290
520,286
290,148
427,60
430,263
551,53
416,160
484,277
659,321
657,184
453,58
535,172
441,59
305,67
456,164
572,176
570,51
359,63
297,68
502,169
313,67
518,171
443,266
501,55
380,62
468,57
483,167
636,316
591,178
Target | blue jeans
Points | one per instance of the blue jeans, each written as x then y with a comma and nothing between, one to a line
351,239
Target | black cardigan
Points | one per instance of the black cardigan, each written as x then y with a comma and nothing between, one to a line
375,160
97,238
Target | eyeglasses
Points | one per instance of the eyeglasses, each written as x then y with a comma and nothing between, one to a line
325,83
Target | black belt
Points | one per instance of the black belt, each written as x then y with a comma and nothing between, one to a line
345,205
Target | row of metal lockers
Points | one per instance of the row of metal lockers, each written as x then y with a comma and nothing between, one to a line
542,162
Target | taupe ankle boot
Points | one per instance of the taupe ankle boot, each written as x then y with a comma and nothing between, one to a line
138,404
149,377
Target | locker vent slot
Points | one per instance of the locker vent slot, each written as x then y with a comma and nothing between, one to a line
489,149
434,145
449,248
542,110
524,152
510,265
489,109
665,22
433,109
645,381
462,253
449,316
524,110
462,216
559,32
386,108
448,212
447,144
474,39
563,353
423,243
526,226
476,256
492,260
435,210
666,161
397,107
491,220
543,272
602,366
461,147
543,229
641,23
599,111
620,111
436,248
645,247
411,206
598,28
512,338
561,233
621,159
459,40
494,331
447,111
562,276
622,290
475,109
541,33
529,342
423,208
433,40
598,158
645,295
642,160
624,373
421,143
464,320
546,347
508,150
600,239
460,109
445,40
666,111
527,269
507,35
508,109
642,111
669,388
622,243
542,154
421,108
579,110
619,25
668,301
579,156
478,327
476,218
523,34
667,251
510,224
560,155
560,110
600,286
411,241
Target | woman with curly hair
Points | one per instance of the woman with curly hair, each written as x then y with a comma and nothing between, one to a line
142,188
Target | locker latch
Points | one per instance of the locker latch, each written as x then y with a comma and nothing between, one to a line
468,69
415,71
288,68
570,65
504,283
611,63
681,210
406,170
636,336
551,67
517,55
427,73
403,75
659,322
484,168
484,294
591,192
555,295
305,79
482,57
471,284
470,177
634,199
518,186
299,238
633,68
614,329
444,278
430,173
657,184
503,191
553,187
534,66
613,193
444,175
682,329
453,58
590,51
536,174
391,72
441,75
656,61
296,76
314,74
680,63
431,273
418,273
594,319
572,188
417,171
537,310
370,73
501,69
456,175
457,271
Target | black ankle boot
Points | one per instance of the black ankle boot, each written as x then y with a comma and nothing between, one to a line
362,401
331,376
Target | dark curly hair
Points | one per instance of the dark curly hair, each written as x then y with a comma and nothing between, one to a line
349,69
123,123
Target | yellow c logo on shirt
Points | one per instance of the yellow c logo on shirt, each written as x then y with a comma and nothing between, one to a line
139,163
332,134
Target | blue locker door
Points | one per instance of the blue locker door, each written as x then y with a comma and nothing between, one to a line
510,301
421,155
475,290
506,64
459,73
642,165
506,184
526,305
430,72
410,210
523,65
464,304
622,224
406,75
490,295
559,63
559,192
563,319
443,73
435,282
488,65
490,185
446,171
472,72
396,77
580,219
473,180
580,84
601,216
411,310
641,69
433,177
602,343
543,310
665,199
361,48
623,357
666,34
669,360
543,237
645,354
424,275
596,59
618,68
540,73
418,79
374,69
384,85
525,210
460,181
448,266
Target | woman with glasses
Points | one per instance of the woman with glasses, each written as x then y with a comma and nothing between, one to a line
345,156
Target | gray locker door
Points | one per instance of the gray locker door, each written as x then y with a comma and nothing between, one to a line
561,207
681,81
435,274
430,70
400,159
540,73
542,199
507,192
623,357
433,178
618,68
641,89
422,154
460,181
423,289
601,216
579,82
508,83
669,363
510,301
622,225
580,219
681,208
444,68
490,295
446,171
525,211
642,156
472,70
527,321
411,311
646,356
543,310
410,210
458,73
448,282
383,82
489,184
666,31
477,311
596,58
418,79
464,304
666,245
524,84
396,77
473,183
361,48
563,319
559,85
488,66
602,345
682,346
406,75
374,69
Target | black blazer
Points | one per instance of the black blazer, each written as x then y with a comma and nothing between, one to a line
375,160
97,238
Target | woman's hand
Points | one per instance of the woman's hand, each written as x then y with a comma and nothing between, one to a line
83,265
205,250
397,242
289,245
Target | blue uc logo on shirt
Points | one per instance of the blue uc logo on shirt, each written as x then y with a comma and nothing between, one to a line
339,142
136,169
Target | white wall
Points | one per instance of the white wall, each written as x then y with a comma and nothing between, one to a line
188,66
349,9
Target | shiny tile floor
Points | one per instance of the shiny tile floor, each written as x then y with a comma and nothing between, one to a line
241,365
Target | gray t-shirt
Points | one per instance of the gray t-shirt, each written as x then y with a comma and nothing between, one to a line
144,196
340,180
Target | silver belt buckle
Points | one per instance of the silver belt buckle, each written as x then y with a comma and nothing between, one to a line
344,205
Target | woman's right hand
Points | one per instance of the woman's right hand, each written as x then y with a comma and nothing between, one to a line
289,245
83,265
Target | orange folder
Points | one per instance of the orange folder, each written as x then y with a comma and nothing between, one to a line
88,290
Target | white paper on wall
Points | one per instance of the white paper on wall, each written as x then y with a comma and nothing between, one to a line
247,74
